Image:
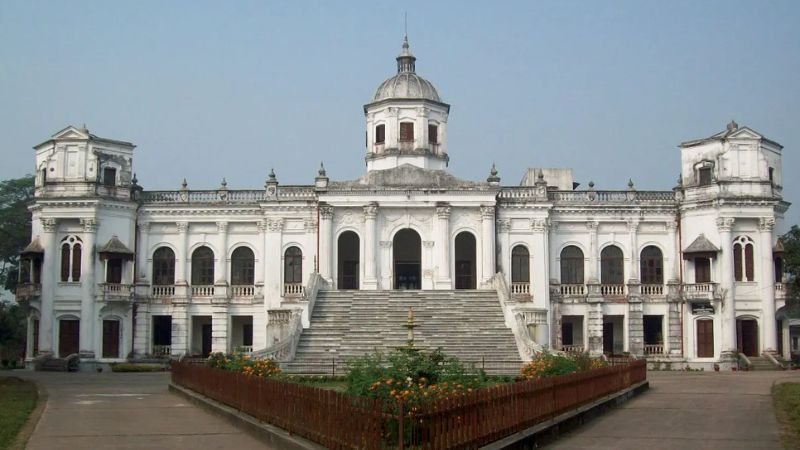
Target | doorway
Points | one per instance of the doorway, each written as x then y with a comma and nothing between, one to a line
407,253
348,260
111,339
465,261
68,337
747,336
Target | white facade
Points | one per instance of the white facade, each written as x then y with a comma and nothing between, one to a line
684,275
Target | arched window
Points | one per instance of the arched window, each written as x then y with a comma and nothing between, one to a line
571,265
163,266
743,259
651,265
612,266
203,266
520,265
71,259
406,131
243,263
380,134
293,265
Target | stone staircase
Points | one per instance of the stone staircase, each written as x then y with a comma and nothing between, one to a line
468,324
762,363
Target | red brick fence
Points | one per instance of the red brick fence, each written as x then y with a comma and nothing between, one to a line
340,421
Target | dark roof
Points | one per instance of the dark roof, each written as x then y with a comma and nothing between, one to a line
114,245
701,245
34,247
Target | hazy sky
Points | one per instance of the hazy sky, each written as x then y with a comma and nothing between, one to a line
230,89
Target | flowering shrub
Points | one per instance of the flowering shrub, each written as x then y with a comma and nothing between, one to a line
546,364
244,364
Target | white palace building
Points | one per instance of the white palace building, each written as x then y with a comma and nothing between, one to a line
329,270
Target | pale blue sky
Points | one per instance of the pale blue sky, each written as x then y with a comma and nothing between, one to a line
213,89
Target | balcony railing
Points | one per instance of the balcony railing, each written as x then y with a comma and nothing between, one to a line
573,289
162,350
653,289
116,291
292,289
520,288
240,291
243,349
163,290
780,290
203,291
612,290
572,349
27,291
653,349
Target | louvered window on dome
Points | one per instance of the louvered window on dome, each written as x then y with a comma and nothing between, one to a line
433,134
380,134
406,131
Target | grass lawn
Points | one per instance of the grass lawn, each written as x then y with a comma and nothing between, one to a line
17,400
786,398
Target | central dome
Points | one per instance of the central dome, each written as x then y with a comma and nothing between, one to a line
406,84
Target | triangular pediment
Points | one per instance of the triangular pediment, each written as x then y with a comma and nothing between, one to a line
744,133
71,132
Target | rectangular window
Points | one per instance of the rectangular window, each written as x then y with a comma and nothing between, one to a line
771,174
247,334
76,263
702,270
35,337
406,131
109,176
748,263
65,260
380,134
114,271
433,134
704,176
737,262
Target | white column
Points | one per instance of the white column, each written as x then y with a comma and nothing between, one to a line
88,285
673,253
49,276
142,254
273,257
503,252
219,329
370,278
325,242
767,285
592,276
725,227
387,277
221,264
633,273
487,241
539,264
180,330
444,280
181,277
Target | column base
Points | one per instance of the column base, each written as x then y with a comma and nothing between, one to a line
443,284
370,285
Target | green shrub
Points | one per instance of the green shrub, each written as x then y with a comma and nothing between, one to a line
129,367
244,364
546,364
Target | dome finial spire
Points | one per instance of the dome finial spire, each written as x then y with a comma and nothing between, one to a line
405,60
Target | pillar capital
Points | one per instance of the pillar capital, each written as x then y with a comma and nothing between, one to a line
48,224
592,225
89,224
183,227
504,225
443,210
725,224
487,212
539,225
325,211
371,210
222,227
766,224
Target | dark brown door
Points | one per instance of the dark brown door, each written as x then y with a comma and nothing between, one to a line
110,339
68,337
705,339
206,348
747,336
566,333
608,338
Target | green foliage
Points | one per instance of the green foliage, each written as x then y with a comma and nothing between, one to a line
129,367
786,399
17,400
242,363
15,226
13,331
546,364
791,266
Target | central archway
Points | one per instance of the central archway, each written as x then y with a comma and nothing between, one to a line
348,260
465,261
407,259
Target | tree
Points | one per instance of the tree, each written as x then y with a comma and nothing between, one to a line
12,332
15,226
791,266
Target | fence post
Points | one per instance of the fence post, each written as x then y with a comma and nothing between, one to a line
333,367
400,431
483,362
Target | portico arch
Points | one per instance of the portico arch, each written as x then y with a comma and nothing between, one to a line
348,264
407,259
465,261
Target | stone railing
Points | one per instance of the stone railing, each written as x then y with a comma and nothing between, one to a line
780,290
243,290
162,290
292,289
578,197
161,350
573,349
652,290
516,320
246,349
27,291
116,291
227,196
653,349
520,288
572,289
284,350
700,291
612,290
202,291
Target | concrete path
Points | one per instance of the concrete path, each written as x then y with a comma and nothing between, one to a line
126,411
689,410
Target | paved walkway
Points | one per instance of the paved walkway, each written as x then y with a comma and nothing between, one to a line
689,410
126,411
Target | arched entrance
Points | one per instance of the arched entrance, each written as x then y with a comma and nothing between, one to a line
465,261
747,336
407,253
348,260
